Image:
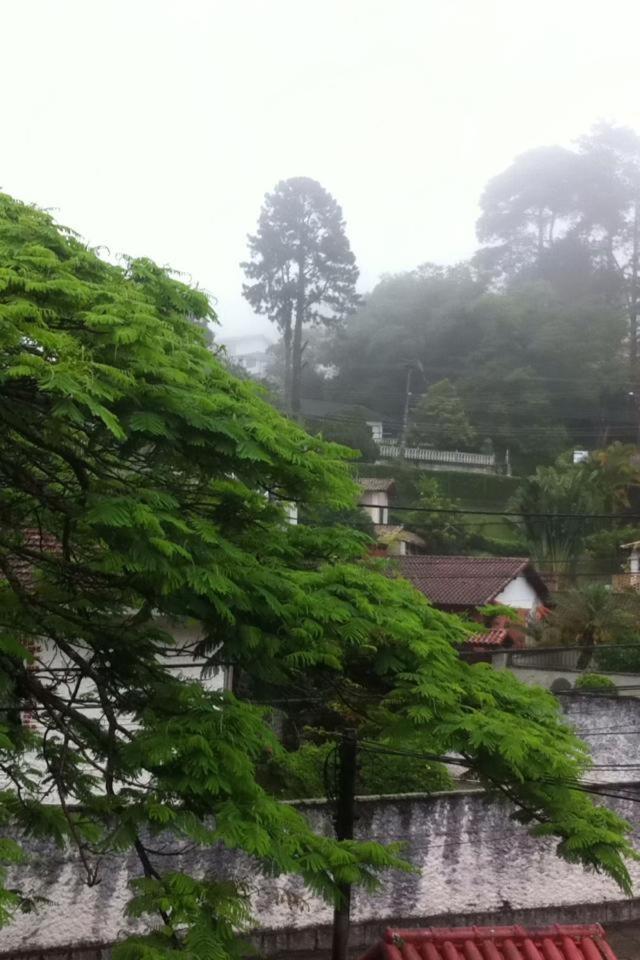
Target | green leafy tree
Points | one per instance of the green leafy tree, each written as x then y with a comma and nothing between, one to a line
523,208
134,473
546,501
605,483
301,269
557,214
303,773
443,532
589,616
349,428
440,419
535,370
611,216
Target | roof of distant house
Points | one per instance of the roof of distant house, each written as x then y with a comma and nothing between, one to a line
468,581
559,942
377,484
386,532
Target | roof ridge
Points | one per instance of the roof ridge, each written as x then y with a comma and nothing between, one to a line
466,556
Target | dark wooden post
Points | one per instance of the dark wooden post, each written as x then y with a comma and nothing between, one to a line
345,797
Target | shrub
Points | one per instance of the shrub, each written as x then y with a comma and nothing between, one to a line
596,682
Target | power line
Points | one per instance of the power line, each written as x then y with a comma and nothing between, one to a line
463,511
509,432
579,786
606,733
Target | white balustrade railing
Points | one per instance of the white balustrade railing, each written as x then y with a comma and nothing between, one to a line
390,449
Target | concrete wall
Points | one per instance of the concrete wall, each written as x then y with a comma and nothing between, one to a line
472,860
473,865
610,726
628,684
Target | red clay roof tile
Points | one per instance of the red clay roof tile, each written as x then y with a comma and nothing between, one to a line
558,942
492,638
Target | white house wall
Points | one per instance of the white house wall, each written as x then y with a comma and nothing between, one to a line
519,594
55,670
376,503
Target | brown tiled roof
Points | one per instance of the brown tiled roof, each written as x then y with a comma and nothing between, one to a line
376,484
466,581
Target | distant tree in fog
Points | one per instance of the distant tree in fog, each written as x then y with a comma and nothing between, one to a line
440,419
572,215
301,269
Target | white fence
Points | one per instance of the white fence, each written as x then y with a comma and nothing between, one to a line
486,461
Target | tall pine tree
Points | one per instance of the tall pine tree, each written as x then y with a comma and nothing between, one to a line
301,269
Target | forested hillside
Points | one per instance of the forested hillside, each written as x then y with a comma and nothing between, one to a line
536,333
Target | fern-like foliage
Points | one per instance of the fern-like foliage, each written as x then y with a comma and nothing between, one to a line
135,474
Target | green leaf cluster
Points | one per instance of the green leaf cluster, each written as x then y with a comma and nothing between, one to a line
141,486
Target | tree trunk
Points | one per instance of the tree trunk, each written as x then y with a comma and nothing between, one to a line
286,343
588,642
541,226
296,344
633,317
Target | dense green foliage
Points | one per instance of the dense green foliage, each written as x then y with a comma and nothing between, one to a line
348,427
535,371
546,502
574,510
439,420
139,479
304,773
443,532
537,332
591,615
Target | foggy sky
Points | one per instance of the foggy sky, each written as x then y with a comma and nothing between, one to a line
156,126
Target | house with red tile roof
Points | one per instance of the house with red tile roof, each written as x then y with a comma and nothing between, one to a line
558,942
463,584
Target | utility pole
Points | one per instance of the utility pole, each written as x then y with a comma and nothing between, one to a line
344,818
405,415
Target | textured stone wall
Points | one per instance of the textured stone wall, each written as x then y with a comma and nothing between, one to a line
472,860
611,728
473,865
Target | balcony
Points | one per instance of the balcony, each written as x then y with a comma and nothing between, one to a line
620,582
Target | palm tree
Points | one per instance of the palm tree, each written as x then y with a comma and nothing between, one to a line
589,616
546,502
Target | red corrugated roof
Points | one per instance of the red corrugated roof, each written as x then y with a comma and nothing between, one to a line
466,581
494,943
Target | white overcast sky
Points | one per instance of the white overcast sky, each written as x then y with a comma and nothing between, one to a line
156,126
